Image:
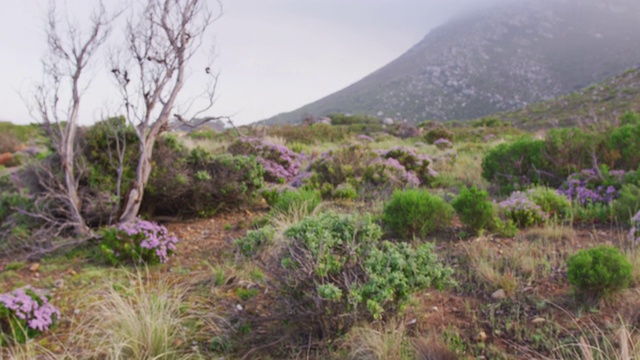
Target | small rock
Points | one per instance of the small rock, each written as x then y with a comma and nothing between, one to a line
239,307
482,336
58,284
434,309
499,295
538,320
34,267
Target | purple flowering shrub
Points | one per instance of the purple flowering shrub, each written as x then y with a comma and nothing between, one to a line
139,241
280,163
634,233
521,210
25,313
365,138
366,170
418,164
588,187
443,143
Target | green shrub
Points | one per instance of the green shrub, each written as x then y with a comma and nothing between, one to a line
342,119
515,166
625,142
15,199
474,209
628,204
571,150
552,203
250,244
197,183
416,213
599,271
345,191
439,132
295,200
522,211
337,272
630,118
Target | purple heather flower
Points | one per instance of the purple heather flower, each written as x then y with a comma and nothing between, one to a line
38,313
154,237
365,138
443,143
279,162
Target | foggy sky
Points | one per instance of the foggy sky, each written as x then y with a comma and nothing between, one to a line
273,55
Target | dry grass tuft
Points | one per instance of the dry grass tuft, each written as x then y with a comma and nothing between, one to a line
432,349
382,342
140,319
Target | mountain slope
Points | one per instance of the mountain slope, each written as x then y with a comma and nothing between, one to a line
494,60
605,101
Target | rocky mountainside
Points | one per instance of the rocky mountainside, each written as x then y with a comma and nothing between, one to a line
498,59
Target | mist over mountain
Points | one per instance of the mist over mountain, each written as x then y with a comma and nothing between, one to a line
497,59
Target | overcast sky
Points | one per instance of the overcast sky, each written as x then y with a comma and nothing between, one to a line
273,55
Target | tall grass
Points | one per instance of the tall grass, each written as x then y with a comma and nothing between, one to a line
140,319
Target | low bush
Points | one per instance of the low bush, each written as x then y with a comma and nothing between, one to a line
345,191
443,144
570,150
515,166
24,314
197,183
16,200
550,201
337,272
599,271
371,174
591,186
439,132
416,212
522,211
634,233
137,242
474,209
250,244
292,200
281,164
411,161
627,204
624,142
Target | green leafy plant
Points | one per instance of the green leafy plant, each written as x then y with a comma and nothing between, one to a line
474,209
599,271
338,272
250,244
416,212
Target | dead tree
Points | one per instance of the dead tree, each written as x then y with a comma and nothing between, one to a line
160,43
70,51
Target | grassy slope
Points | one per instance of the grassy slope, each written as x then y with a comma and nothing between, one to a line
603,101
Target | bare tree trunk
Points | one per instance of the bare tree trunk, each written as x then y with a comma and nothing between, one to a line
160,45
68,57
